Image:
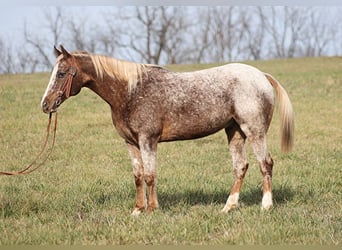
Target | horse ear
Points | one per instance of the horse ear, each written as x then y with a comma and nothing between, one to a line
65,52
57,52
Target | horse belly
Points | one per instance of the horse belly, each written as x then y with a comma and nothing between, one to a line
192,124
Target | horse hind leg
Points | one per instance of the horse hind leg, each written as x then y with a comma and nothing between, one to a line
259,146
266,169
236,140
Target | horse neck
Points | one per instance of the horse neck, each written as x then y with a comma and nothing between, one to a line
111,91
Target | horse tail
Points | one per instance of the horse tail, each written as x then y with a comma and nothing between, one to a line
286,114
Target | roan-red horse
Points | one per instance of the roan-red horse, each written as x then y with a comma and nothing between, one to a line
151,104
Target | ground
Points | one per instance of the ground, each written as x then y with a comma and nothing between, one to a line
84,193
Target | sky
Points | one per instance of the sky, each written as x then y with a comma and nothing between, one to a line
13,17
15,12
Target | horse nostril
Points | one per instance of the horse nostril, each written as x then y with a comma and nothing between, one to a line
58,102
45,106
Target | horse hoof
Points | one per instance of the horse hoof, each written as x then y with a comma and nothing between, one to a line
229,208
266,208
232,202
136,212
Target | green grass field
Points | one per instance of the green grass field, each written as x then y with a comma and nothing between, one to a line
84,193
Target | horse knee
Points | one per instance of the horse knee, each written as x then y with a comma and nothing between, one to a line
266,166
150,179
138,179
239,173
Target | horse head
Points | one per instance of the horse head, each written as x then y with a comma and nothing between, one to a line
64,81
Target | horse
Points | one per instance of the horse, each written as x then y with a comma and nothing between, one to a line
150,104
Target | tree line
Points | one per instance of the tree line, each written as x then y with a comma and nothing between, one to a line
177,35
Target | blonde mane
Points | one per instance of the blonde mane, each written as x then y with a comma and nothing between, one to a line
121,70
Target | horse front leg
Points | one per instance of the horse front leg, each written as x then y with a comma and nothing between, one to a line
148,149
138,171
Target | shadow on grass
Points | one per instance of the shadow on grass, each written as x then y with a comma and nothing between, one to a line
248,197
253,196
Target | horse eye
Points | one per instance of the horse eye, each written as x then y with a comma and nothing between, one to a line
60,74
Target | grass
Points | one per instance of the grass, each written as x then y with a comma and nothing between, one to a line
85,192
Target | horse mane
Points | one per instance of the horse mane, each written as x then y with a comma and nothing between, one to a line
121,70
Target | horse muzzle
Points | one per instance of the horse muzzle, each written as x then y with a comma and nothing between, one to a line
51,106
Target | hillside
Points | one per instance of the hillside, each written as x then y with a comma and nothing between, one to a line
85,192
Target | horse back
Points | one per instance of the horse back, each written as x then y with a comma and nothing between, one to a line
180,106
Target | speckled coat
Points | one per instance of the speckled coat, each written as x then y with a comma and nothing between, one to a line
166,106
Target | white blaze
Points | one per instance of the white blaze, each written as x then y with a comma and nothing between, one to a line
51,82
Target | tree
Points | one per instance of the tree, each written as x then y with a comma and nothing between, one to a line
318,33
284,26
42,45
27,63
254,32
169,34
201,37
82,33
176,27
6,58
222,34
154,33
226,31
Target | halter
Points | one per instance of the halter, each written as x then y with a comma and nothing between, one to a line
66,87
